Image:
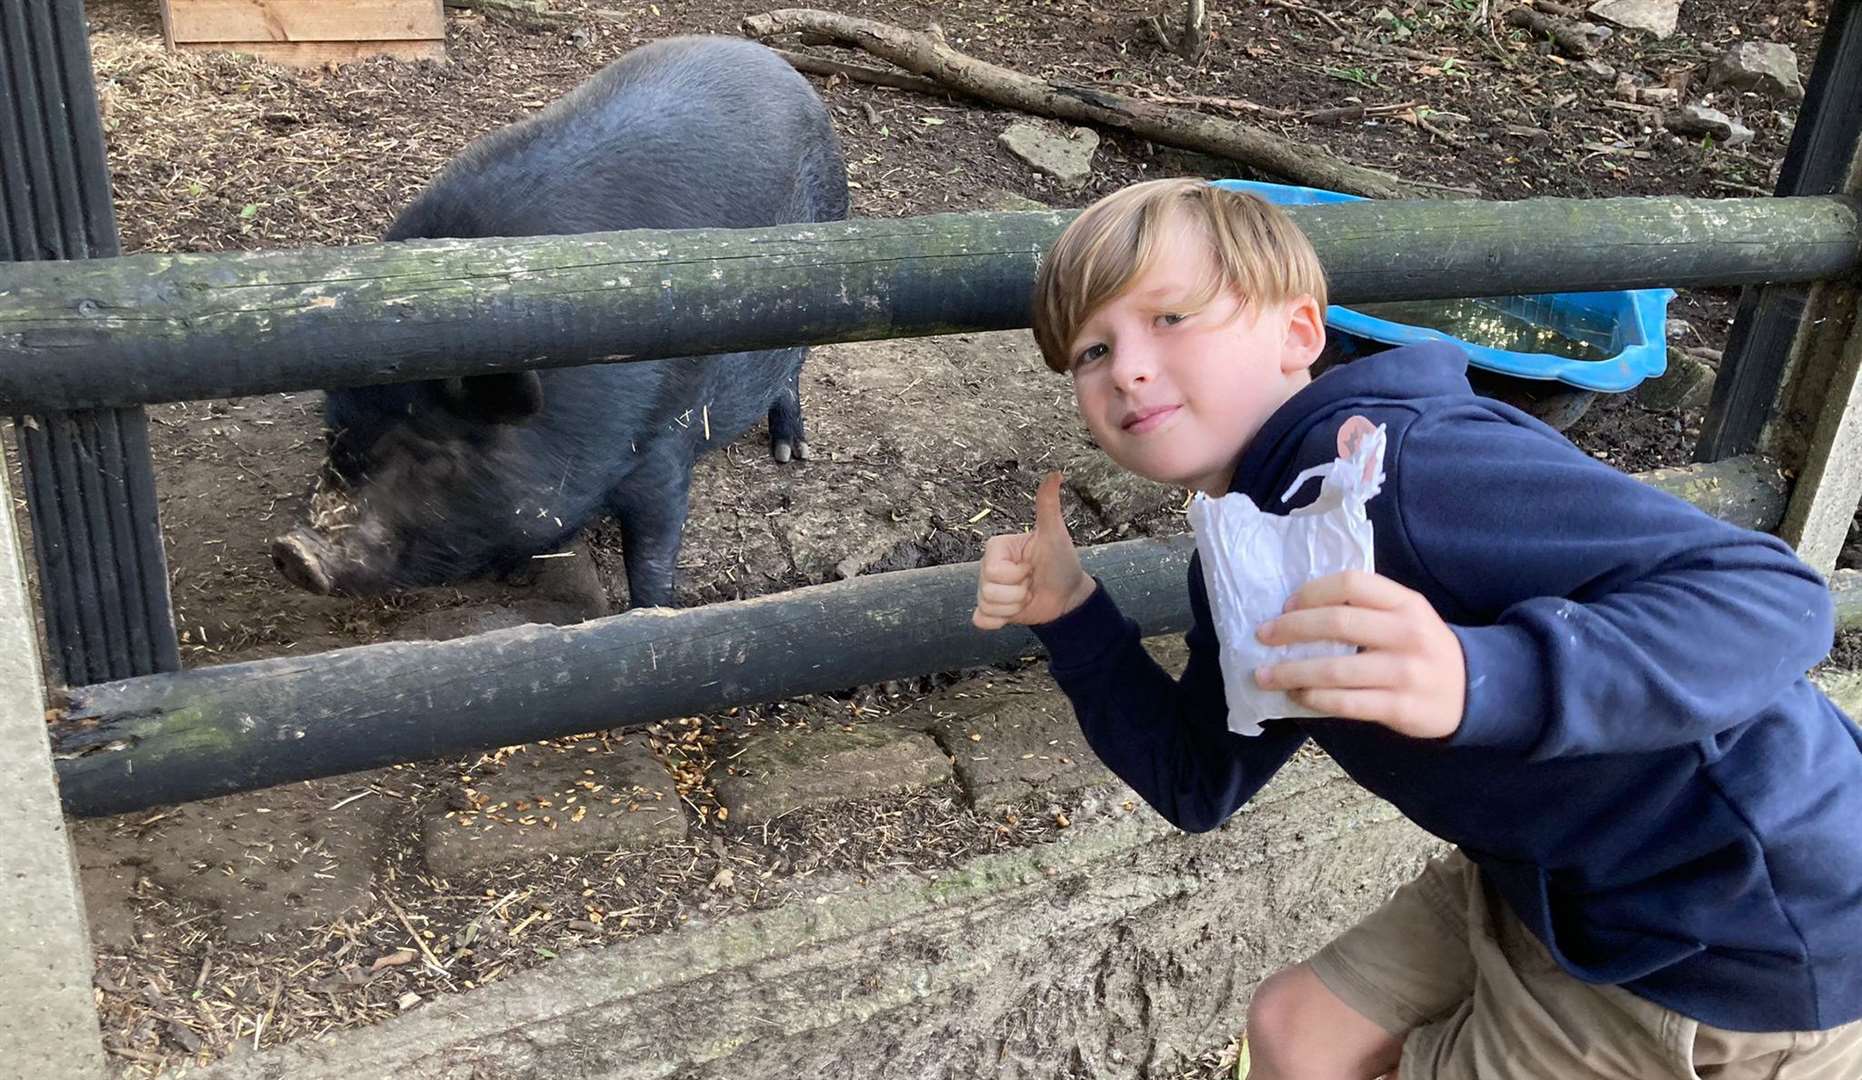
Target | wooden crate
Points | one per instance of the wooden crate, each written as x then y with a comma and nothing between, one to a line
305,33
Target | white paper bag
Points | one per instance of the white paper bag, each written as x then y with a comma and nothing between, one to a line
1253,562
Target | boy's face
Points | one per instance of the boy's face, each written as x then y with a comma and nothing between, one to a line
1175,395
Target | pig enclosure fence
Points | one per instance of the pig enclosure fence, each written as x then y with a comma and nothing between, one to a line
148,328
92,339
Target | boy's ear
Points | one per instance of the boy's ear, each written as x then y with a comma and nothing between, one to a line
1305,334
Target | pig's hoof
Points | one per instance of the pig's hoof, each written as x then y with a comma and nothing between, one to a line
299,566
783,450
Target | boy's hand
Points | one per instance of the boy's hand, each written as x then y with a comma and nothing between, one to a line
1032,577
1409,674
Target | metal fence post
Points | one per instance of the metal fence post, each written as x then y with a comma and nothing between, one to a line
90,484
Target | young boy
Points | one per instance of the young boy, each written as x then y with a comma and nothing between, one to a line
1591,689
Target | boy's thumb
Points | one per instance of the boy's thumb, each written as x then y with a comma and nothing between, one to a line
1048,521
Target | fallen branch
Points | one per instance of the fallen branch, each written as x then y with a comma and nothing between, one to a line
1419,118
1343,113
930,56
821,65
1293,5
527,12
1573,39
1232,104
1551,7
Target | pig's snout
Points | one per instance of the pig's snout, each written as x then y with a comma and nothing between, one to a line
303,558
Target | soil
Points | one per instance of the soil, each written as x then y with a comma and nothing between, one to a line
923,448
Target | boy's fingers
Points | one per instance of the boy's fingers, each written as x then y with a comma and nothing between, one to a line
1358,587
1048,520
1004,571
1376,706
996,594
1371,628
987,622
1357,671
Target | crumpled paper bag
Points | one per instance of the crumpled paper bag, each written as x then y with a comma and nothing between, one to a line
1253,562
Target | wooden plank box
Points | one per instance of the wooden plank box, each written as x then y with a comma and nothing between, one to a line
306,33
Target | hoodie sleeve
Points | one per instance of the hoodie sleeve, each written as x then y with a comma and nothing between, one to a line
1167,738
1599,614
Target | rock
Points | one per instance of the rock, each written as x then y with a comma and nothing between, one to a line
1658,17
783,771
1010,201
1624,89
1666,97
555,800
1765,66
1068,158
1598,68
1687,384
1700,120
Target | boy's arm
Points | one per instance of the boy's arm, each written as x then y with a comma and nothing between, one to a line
1599,614
1166,738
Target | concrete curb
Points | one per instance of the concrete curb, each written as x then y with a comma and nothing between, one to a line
1123,942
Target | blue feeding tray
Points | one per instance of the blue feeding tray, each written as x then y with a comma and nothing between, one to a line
1621,336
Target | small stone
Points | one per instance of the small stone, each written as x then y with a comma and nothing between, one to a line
1700,120
1068,158
1765,66
1666,97
1624,88
1687,383
1658,17
1598,68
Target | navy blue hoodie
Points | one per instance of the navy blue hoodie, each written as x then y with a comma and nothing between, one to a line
1642,770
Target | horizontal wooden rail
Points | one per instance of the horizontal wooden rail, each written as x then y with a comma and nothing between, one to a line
150,328
211,731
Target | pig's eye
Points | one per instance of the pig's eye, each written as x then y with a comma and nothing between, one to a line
1092,352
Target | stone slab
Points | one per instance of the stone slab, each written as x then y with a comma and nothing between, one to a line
1067,156
556,800
1017,745
780,772
266,861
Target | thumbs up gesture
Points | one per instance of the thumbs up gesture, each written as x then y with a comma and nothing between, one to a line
1032,577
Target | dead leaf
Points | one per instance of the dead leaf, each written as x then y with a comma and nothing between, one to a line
393,959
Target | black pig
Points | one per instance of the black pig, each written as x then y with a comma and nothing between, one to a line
435,482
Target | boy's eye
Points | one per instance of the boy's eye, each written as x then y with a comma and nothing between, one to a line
1171,318
1089,354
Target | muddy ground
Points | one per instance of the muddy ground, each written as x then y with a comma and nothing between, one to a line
923,448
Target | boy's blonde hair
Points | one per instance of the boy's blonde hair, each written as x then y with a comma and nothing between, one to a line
1259,252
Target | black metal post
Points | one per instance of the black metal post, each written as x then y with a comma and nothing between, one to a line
1823,147
89,480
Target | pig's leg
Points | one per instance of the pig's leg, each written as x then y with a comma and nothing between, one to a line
651,508
785,416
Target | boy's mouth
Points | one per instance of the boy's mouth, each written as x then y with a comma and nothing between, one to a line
1143,420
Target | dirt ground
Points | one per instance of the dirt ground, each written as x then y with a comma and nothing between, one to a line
924,448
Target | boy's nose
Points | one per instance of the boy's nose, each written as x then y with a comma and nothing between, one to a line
1133,367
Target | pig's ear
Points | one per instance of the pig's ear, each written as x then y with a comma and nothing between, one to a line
506,398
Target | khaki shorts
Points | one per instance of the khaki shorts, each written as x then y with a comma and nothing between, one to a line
1446,966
